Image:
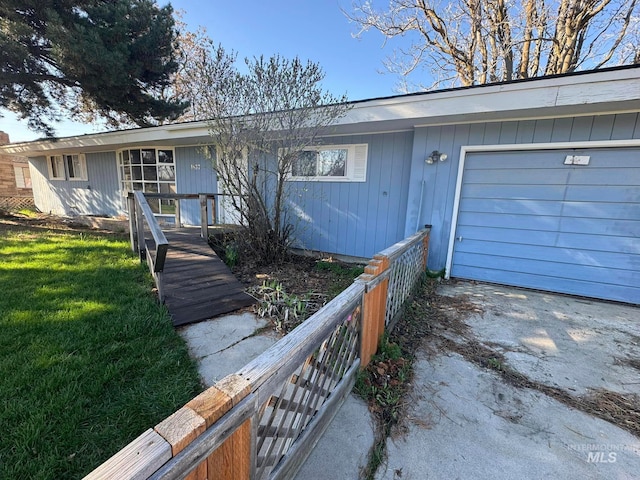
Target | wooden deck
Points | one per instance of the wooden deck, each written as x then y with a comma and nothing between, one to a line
197,284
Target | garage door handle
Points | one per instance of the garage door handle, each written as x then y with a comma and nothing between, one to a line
459,238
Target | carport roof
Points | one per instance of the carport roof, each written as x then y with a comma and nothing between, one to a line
606,91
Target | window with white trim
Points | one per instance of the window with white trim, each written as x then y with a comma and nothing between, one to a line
331,163
23,177
150,170
67,167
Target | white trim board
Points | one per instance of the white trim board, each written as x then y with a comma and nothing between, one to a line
528,118
515,147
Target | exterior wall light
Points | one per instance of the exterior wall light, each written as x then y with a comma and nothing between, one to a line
436,157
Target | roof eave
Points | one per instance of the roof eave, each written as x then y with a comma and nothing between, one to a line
599,92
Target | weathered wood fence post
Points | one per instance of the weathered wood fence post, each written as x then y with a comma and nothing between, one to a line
204,216
140,230
374,307
214,218
146,455
381,274
425,247
178,217
133,235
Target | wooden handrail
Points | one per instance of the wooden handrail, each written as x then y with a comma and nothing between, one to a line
396,250
159,237
140,212
186,196
203,198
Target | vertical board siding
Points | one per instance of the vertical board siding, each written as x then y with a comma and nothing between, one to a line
356,218
538,223
194,174
99,195
435,207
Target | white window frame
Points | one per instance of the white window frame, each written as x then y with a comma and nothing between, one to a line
63,171
355,168
122,182
23,176
81,164
56,173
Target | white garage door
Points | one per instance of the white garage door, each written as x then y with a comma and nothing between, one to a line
526,218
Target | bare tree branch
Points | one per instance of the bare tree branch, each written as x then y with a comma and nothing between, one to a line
480,41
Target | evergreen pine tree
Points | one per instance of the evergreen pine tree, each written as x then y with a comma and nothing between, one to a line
62,56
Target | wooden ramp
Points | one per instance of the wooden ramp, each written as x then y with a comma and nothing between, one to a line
197,284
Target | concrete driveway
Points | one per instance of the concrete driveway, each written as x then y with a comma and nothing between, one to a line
567,354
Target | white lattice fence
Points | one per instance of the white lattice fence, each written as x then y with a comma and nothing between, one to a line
12,204
406,260
286,415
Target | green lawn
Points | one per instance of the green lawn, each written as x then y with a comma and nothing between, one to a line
88,359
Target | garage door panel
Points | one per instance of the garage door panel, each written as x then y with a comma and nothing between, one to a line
527,176
573,287
505,160
619,158
526,217
523,176
559,255
602,210
504,235
525,192
588,175
604,243
526,222
546,223
623,228
574,271
508,205
604,193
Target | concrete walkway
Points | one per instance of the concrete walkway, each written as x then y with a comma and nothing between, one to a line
223,345
465,421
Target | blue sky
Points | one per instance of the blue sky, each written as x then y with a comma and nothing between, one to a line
316,30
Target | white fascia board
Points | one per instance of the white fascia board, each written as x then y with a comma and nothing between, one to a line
597,88
164,134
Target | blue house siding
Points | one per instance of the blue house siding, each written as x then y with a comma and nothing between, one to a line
356,218
99,195
431,188
194,174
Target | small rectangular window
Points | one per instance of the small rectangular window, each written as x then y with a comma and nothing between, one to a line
339,163
67,167
56,167
76,167
332,163
23,177
305,165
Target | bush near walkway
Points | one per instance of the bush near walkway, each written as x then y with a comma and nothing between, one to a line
88,359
